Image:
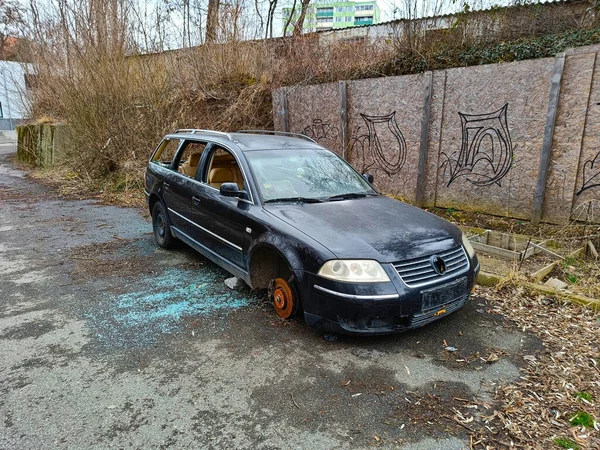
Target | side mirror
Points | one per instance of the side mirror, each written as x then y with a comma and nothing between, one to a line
368,177
231,190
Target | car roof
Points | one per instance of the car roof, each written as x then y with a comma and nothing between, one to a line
248,141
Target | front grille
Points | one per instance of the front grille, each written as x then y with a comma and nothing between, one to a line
419,271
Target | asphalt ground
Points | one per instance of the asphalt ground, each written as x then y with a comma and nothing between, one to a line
108,342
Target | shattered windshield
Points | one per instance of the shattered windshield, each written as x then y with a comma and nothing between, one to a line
305,175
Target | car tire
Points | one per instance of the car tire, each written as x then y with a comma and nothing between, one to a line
161,225
284,296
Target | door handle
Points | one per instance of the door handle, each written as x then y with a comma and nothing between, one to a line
166,185
196,200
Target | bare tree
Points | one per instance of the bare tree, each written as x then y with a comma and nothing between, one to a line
289,19
11,21
299,25
212,21
230,23
270,18
260,17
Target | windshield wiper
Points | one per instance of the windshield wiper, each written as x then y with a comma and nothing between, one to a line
349,195
294,199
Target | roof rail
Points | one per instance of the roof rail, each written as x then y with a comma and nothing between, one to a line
279,133
198,130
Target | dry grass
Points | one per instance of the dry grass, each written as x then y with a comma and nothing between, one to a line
555,400
581,274
117,108
71,185
556,384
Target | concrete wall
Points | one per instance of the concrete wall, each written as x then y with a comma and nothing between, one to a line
493,24
485,134
13,93
41,145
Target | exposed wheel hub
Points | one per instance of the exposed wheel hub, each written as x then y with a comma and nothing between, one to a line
283,298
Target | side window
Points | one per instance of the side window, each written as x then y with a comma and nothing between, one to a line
190,158
223,168
166,152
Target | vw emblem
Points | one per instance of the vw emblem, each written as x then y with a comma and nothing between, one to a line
438,264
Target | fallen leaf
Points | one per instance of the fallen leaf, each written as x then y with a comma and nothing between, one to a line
492,358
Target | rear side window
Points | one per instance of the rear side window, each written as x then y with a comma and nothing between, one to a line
166,152
190,158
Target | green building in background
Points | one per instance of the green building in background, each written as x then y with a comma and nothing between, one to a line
327,16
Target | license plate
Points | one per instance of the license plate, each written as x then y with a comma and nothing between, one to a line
442,295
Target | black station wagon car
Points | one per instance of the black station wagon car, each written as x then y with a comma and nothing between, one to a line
285,214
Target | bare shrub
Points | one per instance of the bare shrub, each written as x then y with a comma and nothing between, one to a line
118,102
117,106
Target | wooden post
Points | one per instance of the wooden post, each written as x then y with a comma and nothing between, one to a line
540,188
343,118
424,143
284,110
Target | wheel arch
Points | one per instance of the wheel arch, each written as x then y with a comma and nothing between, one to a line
152,201
268,261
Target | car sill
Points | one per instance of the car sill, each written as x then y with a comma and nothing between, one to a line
215,257
357,297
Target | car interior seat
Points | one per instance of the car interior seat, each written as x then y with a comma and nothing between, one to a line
224,169
190,166
220,175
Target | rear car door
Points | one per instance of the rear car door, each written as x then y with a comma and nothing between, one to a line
221,221
162,173
179,184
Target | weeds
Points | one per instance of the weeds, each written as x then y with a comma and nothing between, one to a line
583,419
586,396
566,443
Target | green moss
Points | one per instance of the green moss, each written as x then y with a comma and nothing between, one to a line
585,396
448,54
566,443
553,245
572,278
582,418
472,230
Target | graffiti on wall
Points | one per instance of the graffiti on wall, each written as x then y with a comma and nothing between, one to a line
368,145
591,174
486,151
320,130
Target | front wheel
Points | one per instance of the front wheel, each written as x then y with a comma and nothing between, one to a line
161,226
284,297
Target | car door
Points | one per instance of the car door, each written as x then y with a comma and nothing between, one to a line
220,221
179,184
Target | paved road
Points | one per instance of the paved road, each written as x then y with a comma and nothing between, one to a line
108,342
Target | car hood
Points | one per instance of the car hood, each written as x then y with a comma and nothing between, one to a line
377,228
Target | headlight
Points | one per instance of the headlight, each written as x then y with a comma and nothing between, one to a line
354,270
468,247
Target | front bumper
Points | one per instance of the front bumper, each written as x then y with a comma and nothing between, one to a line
378,308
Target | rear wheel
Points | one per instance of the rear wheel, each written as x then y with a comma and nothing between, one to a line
161,226
284,297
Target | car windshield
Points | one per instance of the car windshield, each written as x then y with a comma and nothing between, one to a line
305,175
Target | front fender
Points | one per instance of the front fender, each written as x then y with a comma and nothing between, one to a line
298,255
